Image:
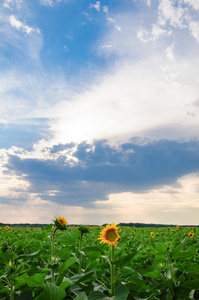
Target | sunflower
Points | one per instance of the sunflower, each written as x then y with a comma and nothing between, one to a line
177,227
152,234
191,234
62,221
109,235
6,227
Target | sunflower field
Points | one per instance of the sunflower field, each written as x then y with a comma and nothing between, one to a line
99,263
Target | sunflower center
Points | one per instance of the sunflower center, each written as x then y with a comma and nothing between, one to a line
111,235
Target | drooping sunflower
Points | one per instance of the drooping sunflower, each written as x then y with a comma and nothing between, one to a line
7,227
152,234
109,235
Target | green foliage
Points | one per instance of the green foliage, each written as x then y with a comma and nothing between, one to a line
164,267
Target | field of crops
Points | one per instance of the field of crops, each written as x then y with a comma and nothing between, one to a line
64,262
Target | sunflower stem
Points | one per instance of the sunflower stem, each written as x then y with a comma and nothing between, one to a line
80,255
112,270
53,255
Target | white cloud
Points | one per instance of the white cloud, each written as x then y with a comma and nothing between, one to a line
163,205
105,8
96,5
170,53
47,2
174,14
11,3
118,28
154,93
110,20
157,32
20,26
145,36
11,185
194,28
194,3
106,46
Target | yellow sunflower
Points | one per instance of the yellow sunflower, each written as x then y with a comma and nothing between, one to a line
152,234
109,235
177,227
191,234
62,221
6,227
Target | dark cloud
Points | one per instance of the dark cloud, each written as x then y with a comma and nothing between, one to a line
61,147
103,169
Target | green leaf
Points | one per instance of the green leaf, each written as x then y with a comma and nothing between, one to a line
137,283
34,281
96,296
69,262
161,247
65,284
64,254
49,227
191,284
124,260
27,295
81,296
183,255
154,274
121,293
93,249
94,254
192,249
69,238
84,277
51,292
126,271
5,257
193,270
176,250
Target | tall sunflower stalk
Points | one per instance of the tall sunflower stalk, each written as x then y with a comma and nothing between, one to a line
112,270
83,229
109,235
59,223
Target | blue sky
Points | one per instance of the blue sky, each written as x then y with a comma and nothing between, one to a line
99,111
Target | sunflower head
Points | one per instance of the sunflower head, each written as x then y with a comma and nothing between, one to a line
109,235
60,223
191,234
7,227
152,234
83,229
177,227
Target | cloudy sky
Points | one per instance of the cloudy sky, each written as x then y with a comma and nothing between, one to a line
99,111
